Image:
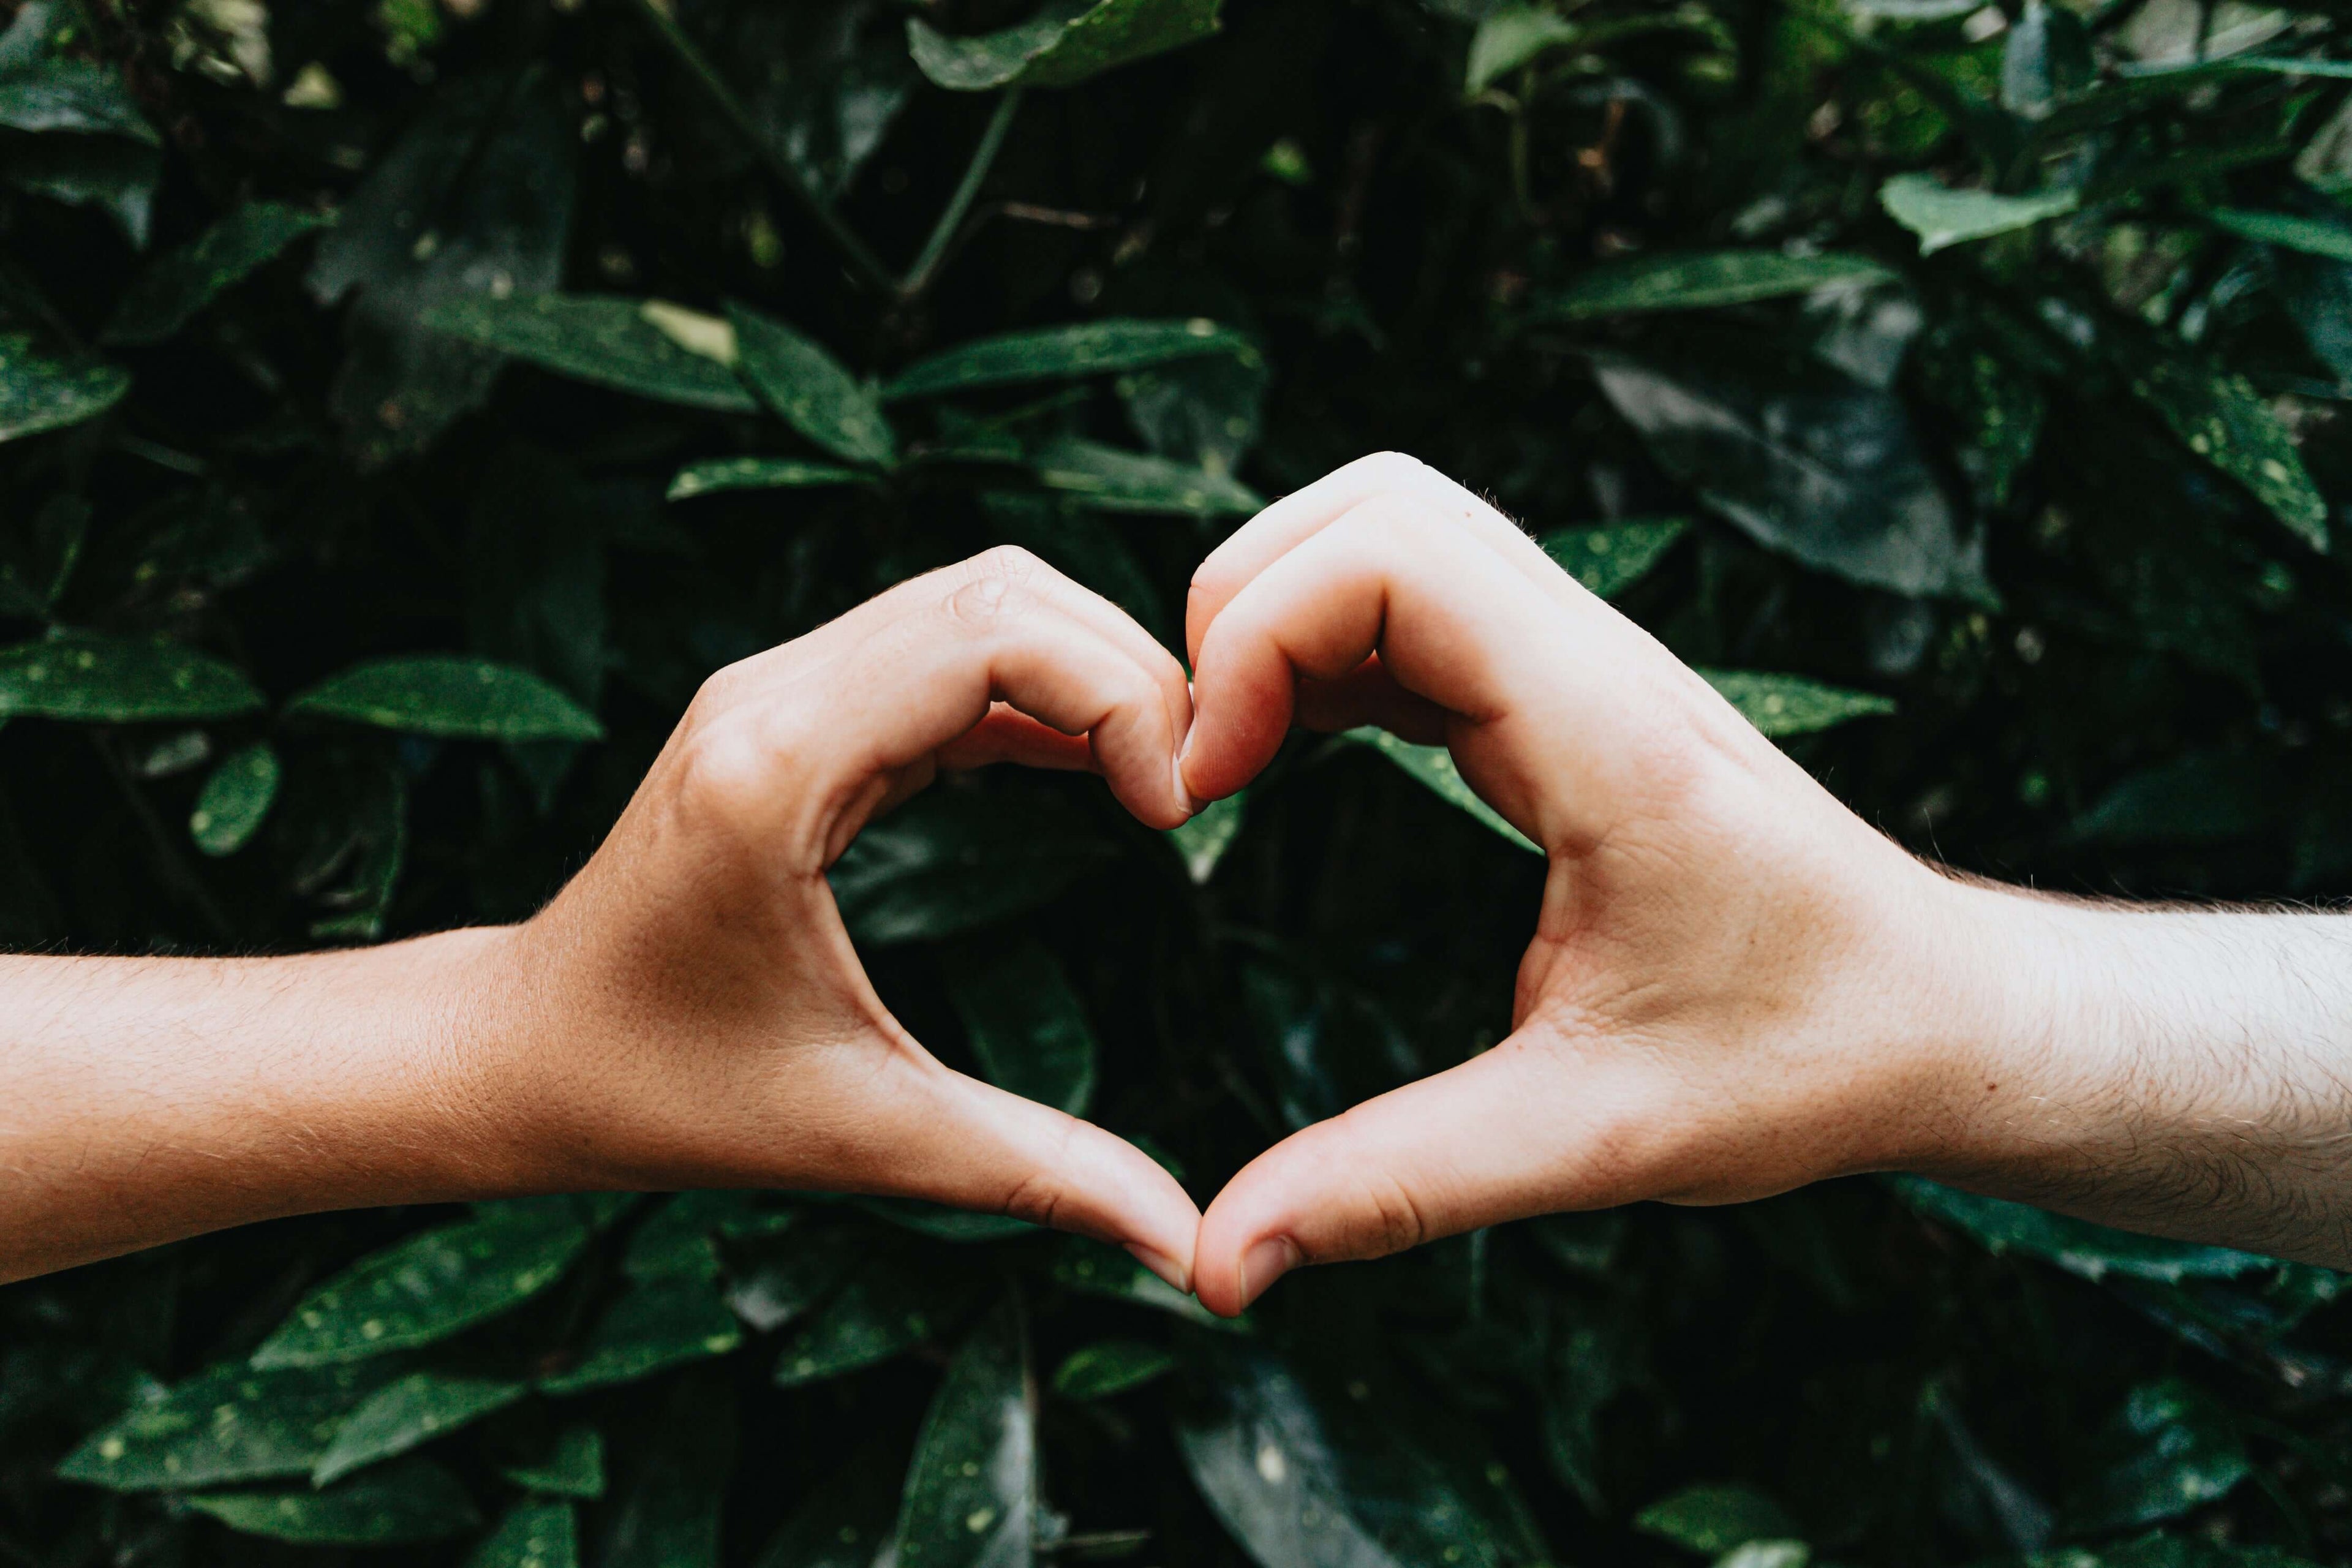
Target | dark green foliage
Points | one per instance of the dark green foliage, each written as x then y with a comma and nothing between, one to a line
404,407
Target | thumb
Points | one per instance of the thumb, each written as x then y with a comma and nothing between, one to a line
959,1141
1503,1136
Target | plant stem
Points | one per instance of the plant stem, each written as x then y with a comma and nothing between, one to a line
967,191
862,262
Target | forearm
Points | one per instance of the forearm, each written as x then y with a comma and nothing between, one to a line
2179,1072
145,1099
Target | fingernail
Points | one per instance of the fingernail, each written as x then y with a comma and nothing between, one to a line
1183,796
1266,1262
1168,1268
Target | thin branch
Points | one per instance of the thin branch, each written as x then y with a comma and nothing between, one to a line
862,262
967,191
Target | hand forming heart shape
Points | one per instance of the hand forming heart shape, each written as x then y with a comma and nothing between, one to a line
1701,1015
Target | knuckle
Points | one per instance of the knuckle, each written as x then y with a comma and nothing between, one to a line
996,586
1393,468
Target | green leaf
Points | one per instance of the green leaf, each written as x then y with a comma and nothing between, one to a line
971,1499
1204,412
1433,766
1095,1268
1110,1367
2220,418
659,1325
1700,280
2313,237
810,391
1943,216
2076,1246
2172,1448
1611,558
1062,353
889,1306
400,1415
1298,1480
1203,840
110,681
40,391
2198,797
715,474
532,1535
1109,478
1792,705
1714,1520
431,1286
230,1424
1806,461
573,1468
786,1281
629,345
941,1223
1063,44
412,1500
1027,1027
671,1517
953,859
451,696
178,284
847,1520
75,96
1509,36
676,1242
237,796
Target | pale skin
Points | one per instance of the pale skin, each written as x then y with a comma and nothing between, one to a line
1735,986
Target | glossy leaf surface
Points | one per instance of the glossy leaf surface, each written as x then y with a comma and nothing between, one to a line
452,697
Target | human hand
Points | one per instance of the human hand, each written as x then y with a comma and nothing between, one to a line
690,1011
1735,986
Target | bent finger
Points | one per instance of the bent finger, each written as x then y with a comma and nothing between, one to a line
1501,1137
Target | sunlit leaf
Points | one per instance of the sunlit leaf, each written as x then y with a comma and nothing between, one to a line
75,96
971,1499
179,283
659,1325
235,798
1792,705
450,696
1064,44
1027,1026
1059,353
1111,480
231,1424
1110,1367
1614,557
810,391
1433,766
411,1500
113,680
40,391
532,1535
610,341
1941,215
400,1415
432,1285
1699,280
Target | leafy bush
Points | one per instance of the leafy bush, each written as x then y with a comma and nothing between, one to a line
404,408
